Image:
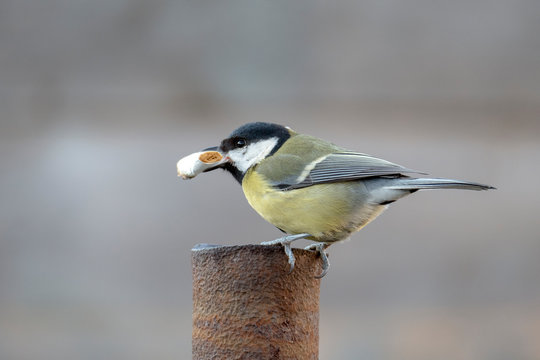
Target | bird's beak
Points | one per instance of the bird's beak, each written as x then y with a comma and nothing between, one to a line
207,160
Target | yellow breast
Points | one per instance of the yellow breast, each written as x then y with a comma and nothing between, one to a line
330,212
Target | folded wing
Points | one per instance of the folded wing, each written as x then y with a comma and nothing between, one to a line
344,166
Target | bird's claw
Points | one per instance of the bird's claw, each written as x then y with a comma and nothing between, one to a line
286,243
319,248
288,251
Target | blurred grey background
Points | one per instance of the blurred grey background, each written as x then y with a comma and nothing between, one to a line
99,99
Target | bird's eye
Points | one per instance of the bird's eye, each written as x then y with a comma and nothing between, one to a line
240,143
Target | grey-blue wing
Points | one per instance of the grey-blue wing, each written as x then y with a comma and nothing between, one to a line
346,166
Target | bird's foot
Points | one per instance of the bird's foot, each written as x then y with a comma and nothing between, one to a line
286,243
319,248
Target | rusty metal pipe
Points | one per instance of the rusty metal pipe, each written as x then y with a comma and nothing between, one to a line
246,305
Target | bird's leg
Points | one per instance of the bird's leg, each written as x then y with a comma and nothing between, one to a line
320,247
286,243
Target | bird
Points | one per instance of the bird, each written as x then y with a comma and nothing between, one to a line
310,188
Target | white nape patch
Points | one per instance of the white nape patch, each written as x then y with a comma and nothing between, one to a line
246,157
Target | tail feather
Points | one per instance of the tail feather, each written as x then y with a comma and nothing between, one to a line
434,183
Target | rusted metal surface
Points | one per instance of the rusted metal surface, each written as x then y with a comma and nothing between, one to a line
246,305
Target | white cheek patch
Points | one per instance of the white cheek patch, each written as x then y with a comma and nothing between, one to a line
252,154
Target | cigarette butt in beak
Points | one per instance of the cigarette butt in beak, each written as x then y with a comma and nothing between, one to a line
210,157
192,165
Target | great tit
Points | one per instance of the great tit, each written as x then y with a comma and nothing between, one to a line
310,188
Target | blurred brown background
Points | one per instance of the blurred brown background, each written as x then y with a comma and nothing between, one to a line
99,99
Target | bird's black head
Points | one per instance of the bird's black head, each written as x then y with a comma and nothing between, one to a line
251,133
251,143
